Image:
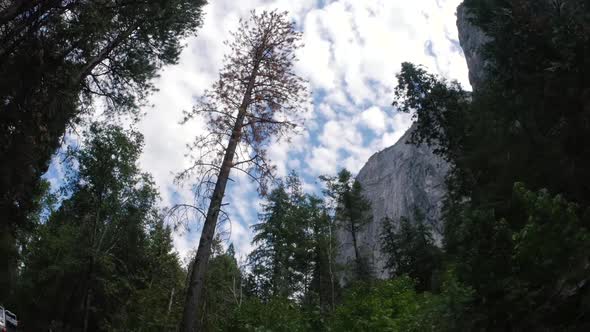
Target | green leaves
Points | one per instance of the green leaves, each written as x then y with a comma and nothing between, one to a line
104,253
410,250
523,251
435,104
292,241
276,315
554,243
387,305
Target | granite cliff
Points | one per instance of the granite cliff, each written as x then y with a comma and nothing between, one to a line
405,177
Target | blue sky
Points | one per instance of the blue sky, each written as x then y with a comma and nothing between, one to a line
353,49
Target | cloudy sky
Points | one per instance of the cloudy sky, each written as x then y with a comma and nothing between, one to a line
353,49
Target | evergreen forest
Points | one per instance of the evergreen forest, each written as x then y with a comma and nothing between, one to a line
96,252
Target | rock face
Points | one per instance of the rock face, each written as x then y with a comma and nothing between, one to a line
396,181
471,39
405,177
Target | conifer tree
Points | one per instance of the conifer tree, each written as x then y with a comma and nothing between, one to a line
526,123
257,99
352,213
276,236
292,257
410,250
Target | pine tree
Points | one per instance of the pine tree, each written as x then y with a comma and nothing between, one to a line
255,100
352,213
224,293
527,123
157,301
275,238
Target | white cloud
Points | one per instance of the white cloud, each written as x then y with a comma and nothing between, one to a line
323,161
317,52
374,118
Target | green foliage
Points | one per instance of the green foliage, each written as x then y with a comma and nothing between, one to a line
449,310
519,249
223,293
56,58
390,305
274,315
528,269
439,106
276,237
411,251
293,257
103,259
158,299
292,269
385,305
293,243
549,254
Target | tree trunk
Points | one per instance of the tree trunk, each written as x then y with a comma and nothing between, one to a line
330,265
170,302
194,297
87,303
357,255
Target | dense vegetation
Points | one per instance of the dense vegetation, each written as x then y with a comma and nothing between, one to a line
96,254
99,256
291,281
516,215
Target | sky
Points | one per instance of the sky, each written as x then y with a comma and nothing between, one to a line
352,51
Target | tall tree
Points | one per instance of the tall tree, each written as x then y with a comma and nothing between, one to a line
294,249
256,99
56,57
314,258
274,238
280,261
157,299
353,213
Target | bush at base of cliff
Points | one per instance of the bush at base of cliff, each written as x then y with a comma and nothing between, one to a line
394,305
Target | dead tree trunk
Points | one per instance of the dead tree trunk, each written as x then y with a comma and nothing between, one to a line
194,298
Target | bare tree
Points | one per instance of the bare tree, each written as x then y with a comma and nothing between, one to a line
257,99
